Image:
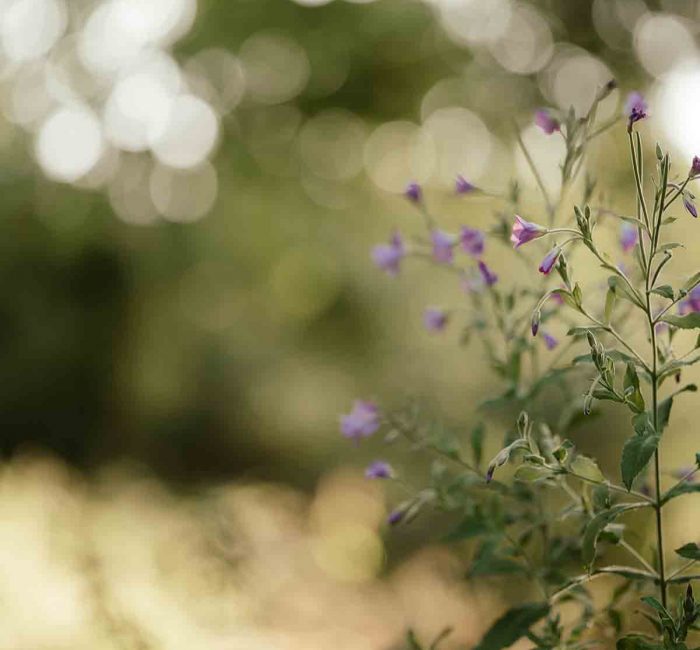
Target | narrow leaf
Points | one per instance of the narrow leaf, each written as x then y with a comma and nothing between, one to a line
638,449
688,322
690,551
595,528
513,625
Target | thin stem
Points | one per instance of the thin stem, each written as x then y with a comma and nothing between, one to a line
633,551
536,174
615,488
681,569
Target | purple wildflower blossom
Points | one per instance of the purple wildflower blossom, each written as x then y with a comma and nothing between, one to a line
379,469
695,166
413,193
629,236
691,302
550,260
472,241
388,256
488,276
546,122
361,422
556,298
549,341
635,108
690,205
396,516
442,246
463,186
525,231
435,319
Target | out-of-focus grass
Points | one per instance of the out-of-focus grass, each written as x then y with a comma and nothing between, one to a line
123,563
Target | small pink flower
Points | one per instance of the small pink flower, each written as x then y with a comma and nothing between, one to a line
525,231
695,166
550,260
546,122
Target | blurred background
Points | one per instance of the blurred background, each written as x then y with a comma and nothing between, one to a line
190,190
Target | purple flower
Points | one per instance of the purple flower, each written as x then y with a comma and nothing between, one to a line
549,341
635,108
388,256
680,474
546,122
442,246
525,231
435,319
396,516
628,237
695,166
463,186
689,205
691,302
413,193
550,260
490,472
472,241
488,276
379,469
361,422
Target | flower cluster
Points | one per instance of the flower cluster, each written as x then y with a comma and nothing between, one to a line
606,362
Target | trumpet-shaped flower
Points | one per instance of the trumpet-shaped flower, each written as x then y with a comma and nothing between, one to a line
635,108
525,231
695,166
690,205
544,119
550,260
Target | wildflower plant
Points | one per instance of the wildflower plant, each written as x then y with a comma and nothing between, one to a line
555,519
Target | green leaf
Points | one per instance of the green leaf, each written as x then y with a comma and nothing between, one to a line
620,287
692,282
631,386
664,290
688,322
638,449
690,551
609,304
664,412
513,625
471,526
532,473
588,468
664,617
594,528
488,562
